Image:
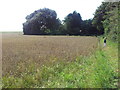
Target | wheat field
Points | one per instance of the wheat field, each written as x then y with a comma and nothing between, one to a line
18,48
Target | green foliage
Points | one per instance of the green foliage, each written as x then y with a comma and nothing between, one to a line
99,17
88,28
45,22
73,23
99,70
106,19
111,22
42,21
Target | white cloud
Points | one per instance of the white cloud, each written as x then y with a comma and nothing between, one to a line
13,12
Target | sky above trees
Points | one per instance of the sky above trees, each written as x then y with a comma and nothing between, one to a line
13,12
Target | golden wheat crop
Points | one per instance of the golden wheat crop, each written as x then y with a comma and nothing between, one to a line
42,49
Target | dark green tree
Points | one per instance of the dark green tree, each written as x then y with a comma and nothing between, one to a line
42,21
110,23
99,17
106,19
88,28
72,23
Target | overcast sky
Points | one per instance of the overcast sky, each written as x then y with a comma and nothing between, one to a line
13,12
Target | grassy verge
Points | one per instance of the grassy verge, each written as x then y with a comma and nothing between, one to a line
99,70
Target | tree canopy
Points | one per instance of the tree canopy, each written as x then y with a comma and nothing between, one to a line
45,22
72,23
106,19
42,21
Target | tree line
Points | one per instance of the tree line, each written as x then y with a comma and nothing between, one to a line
106,19
45,22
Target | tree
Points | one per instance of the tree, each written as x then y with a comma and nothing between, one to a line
42,21
110,23
106,19
99,17
73,23
88,28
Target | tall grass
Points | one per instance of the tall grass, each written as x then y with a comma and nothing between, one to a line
98,70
